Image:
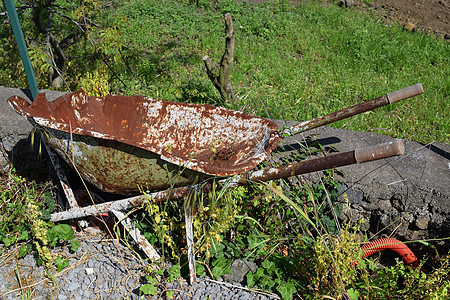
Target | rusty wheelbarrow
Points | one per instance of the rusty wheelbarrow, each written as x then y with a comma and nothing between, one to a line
122,144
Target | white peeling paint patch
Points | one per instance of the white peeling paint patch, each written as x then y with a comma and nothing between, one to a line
77,115
99,135
152,107
51,124
256,174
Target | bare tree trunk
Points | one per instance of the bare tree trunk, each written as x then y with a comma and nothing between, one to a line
57,48
222,81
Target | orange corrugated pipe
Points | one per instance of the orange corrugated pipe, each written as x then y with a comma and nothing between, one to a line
391,244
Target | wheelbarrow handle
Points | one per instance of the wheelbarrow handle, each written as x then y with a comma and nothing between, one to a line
302,167
405,93
394,148
390,98
328,162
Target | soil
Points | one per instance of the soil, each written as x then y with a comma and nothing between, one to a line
431,16
423,15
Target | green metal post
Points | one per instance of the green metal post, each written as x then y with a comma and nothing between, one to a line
20,40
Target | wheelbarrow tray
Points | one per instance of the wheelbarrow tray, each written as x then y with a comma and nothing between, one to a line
121,143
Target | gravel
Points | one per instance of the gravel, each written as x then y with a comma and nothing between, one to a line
101,269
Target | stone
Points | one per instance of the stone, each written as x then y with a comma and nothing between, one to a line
353,195
73,285
422,220
89,271
58,82
410,26
198,294
239,268
214,290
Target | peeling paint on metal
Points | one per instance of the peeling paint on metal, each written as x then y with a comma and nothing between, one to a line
204,138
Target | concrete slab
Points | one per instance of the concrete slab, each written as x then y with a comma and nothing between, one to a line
425,165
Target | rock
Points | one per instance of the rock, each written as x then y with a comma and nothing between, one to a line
198,294
239,268
422,220
89,271
352,195
72,286
410,26
58,83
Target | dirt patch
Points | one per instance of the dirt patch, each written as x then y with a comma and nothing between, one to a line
424,15
431,16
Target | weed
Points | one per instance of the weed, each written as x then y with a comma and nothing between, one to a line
400,281
334,264
158,279
24,209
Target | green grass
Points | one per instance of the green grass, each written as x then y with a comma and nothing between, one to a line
292,63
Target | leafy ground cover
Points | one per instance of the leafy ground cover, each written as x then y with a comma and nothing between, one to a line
25,209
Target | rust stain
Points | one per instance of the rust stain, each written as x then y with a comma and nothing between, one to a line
339,115
204,138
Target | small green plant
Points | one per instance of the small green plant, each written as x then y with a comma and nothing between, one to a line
158,278
270,277
401,281
24,212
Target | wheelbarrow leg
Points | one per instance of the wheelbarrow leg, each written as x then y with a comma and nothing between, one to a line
137,236
188,215
60,173
125,221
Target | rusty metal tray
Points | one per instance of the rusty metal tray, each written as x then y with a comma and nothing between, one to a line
126,144
121,142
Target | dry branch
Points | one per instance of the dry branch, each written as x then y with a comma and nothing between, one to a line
222,80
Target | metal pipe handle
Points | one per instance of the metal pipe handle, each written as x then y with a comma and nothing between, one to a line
408,92
405,93
394,148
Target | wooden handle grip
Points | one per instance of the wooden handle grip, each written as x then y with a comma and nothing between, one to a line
394,148
405,93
